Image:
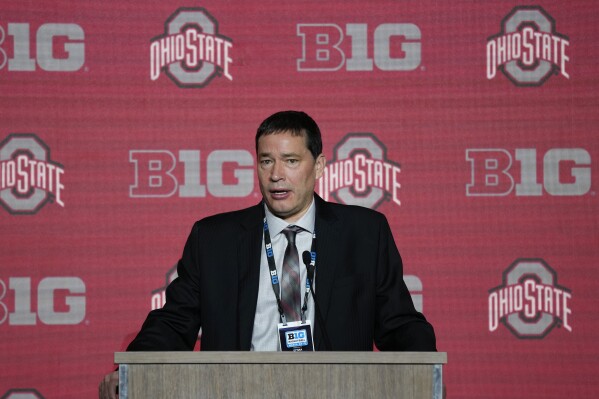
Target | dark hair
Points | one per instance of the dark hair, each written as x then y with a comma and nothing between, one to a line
297,123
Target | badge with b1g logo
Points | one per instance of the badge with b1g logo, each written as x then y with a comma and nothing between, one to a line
296,336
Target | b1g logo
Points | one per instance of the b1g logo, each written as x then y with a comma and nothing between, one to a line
52,47
229,173
296,338
60,301
360,173
528,50
191,52
530,303
566,172
396,47
29,179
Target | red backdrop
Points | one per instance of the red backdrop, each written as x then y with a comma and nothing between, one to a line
470,125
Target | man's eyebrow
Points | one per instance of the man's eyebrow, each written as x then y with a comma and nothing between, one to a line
284,155
290,155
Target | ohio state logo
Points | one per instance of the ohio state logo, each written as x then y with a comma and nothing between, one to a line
22,394
528,50
191,52
360,173
29,179
159,295
529,303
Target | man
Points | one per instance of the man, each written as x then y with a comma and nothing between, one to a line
224,282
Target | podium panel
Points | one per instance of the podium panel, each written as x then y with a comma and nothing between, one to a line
406,375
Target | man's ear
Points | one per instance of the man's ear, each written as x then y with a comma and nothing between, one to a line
321,162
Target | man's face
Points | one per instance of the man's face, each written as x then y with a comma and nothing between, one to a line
287,173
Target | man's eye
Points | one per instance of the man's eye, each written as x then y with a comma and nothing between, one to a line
265,161
292,161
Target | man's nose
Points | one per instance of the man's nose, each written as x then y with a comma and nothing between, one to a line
277,172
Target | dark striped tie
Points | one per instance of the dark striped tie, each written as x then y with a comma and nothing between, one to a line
290,277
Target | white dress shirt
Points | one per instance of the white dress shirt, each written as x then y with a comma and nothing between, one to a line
265,334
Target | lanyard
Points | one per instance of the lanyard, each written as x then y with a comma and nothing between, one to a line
274,276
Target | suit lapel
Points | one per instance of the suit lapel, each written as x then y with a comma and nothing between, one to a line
248,263
327,227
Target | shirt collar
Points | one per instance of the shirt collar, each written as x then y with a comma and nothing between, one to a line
276,224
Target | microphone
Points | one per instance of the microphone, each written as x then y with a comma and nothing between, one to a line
307,258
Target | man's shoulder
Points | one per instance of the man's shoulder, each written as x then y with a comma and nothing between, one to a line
230,218
352,209
353,212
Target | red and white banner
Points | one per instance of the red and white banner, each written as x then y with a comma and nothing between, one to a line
470,125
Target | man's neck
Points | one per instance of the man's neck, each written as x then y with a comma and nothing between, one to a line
306,219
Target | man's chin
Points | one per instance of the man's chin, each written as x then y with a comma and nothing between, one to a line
279,210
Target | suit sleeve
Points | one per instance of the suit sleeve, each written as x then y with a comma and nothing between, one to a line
398,326
175,326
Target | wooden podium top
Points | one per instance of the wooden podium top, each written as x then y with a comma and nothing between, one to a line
276,375
208,357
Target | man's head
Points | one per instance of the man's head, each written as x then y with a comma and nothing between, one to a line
290,160
298,123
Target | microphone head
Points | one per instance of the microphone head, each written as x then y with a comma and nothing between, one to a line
307,258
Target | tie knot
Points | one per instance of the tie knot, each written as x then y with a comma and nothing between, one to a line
290,232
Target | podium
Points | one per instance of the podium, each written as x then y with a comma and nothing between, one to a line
182,375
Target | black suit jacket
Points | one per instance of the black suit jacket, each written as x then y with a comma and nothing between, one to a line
359,281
